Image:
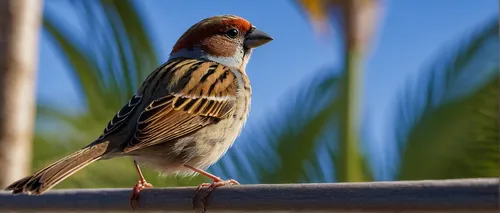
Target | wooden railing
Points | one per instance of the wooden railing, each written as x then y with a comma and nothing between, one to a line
460,195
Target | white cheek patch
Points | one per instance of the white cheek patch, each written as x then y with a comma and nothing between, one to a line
228,61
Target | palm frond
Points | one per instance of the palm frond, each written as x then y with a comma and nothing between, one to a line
295,138
448,123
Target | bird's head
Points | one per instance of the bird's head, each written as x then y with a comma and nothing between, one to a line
225,39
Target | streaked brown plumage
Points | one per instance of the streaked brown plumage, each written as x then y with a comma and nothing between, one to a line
186,114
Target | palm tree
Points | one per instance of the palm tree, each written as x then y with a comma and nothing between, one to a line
300,142
19,26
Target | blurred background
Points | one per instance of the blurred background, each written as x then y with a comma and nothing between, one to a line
361,90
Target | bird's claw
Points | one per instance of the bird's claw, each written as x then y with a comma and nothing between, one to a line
134,197
211,187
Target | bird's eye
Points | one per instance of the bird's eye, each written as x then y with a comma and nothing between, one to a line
232,33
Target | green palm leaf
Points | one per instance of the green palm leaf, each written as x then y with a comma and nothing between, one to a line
296,136
450,130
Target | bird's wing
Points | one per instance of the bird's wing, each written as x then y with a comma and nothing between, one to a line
121,116
200,93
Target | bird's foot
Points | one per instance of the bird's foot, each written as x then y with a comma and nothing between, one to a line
211,187
134,197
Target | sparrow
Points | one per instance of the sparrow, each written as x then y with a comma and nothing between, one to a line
184,117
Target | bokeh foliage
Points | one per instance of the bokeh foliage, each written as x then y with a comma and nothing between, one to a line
449,127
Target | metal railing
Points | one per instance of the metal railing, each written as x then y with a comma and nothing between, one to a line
460,195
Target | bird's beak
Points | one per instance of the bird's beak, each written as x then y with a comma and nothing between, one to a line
256,38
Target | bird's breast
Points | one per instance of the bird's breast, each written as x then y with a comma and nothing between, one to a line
214,141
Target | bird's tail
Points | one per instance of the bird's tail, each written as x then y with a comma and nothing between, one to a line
46,178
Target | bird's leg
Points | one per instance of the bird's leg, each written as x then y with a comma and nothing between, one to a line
217,182
140,185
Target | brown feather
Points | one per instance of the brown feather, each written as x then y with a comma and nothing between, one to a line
51,175
207,96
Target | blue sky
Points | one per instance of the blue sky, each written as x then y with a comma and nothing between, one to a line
410,34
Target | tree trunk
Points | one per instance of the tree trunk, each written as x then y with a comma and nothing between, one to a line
20,22
358,22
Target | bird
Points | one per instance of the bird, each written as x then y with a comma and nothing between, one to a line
184,117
